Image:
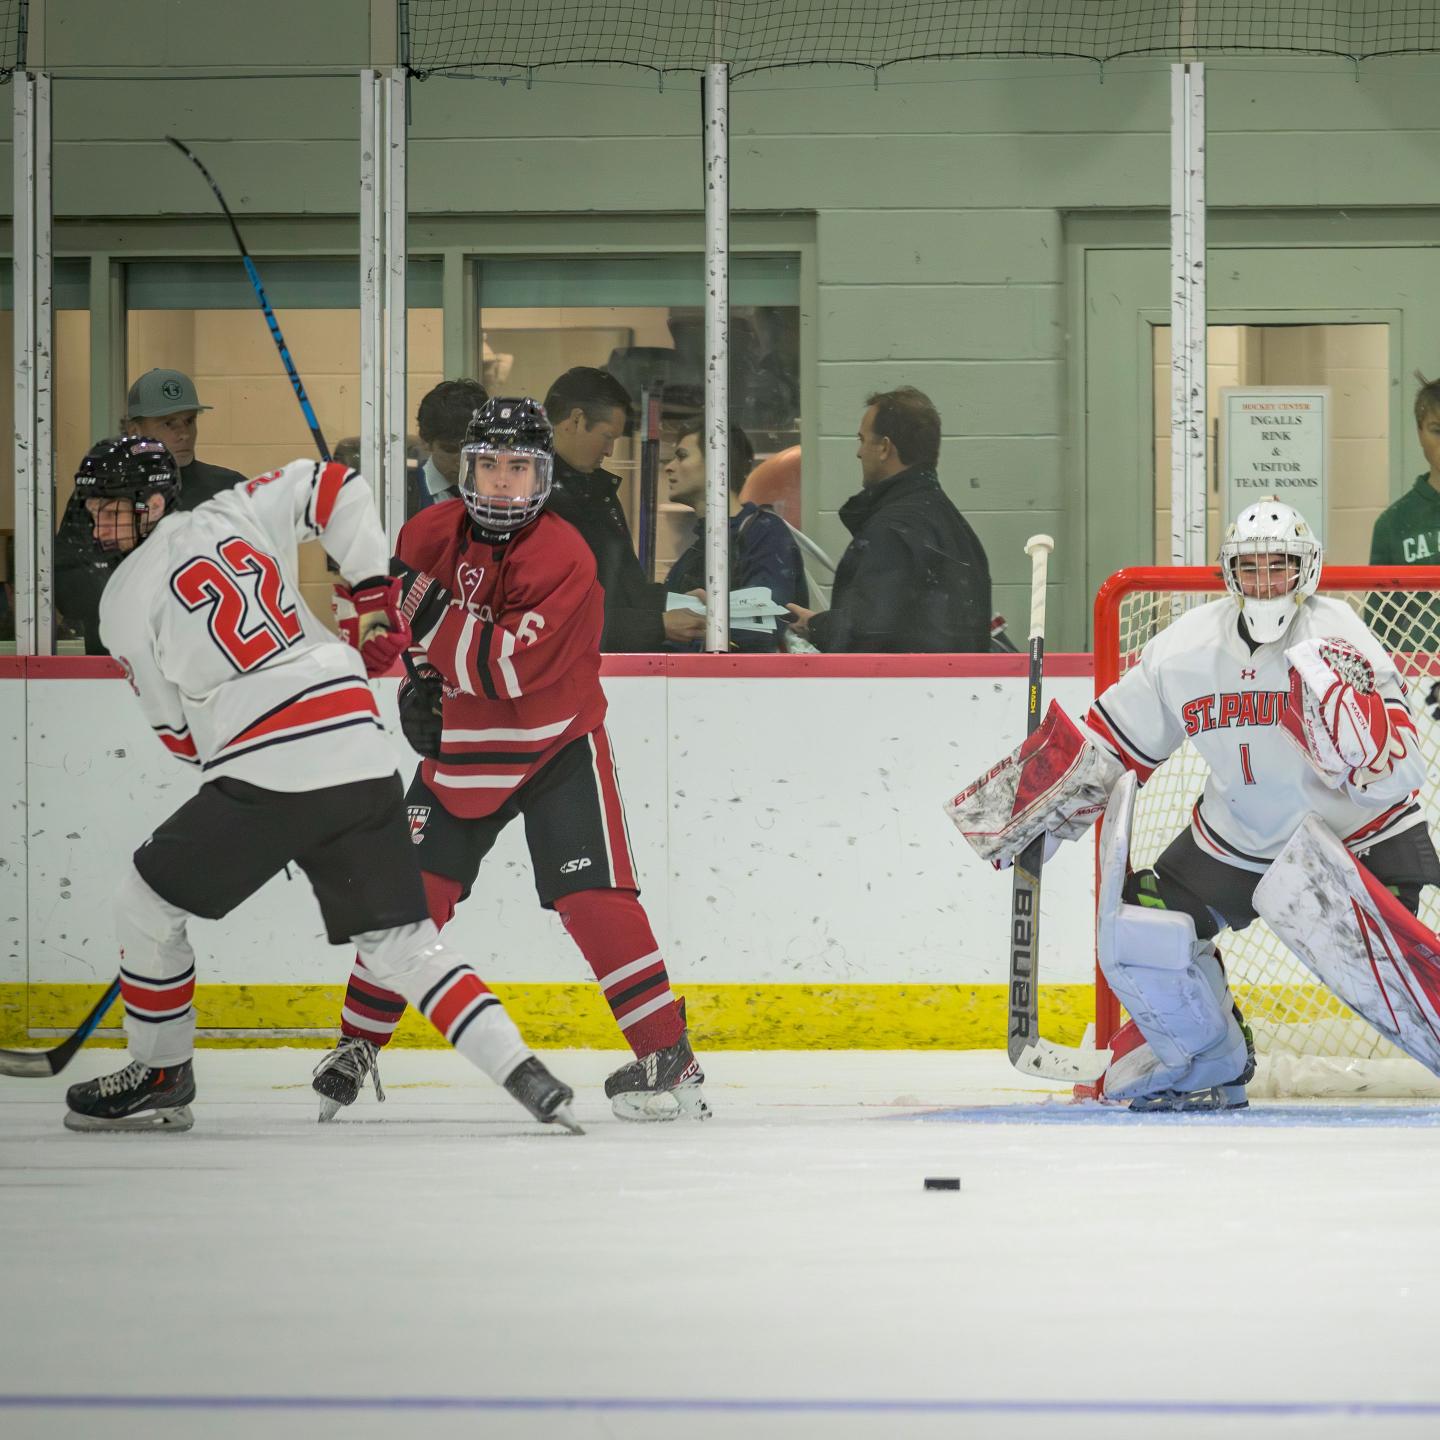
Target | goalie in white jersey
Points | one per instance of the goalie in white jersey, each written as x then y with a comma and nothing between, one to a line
238,679
1297,711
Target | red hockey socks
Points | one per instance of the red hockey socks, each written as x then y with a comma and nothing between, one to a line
614,935
371,1011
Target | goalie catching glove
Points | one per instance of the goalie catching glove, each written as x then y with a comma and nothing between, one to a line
1056,784
369,618
1337,716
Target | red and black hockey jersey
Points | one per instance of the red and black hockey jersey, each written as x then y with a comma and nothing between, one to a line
518,646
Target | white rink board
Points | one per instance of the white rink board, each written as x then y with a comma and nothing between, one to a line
786,830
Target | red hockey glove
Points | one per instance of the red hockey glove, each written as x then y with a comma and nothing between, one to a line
371,621
425,599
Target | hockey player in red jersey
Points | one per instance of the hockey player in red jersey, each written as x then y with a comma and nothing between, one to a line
239,680
506,707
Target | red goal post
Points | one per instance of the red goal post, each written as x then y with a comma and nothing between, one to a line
1308,1042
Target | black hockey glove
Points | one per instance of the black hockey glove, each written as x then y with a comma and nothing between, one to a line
420,697
423,598
1432,700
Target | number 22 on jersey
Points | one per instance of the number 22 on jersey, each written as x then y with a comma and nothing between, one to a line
246,640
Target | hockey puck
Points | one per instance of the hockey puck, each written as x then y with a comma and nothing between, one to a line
942,1182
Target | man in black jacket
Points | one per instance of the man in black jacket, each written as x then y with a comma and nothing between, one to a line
915,577
589,409
162,405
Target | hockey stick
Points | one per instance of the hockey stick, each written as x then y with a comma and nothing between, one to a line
305,407
1027,1050
32,1063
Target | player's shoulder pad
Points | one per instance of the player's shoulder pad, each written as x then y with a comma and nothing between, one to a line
425,536
554,544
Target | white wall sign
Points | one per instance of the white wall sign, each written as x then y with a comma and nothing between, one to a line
1275,440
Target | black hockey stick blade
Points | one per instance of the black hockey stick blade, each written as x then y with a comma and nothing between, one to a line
32,1063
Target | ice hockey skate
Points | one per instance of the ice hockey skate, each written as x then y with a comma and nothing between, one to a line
545,1097
664,1085
339,1076
135,1098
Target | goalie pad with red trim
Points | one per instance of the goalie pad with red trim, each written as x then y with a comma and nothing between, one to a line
1056,782
1338,718
1362,943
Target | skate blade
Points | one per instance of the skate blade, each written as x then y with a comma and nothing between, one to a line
329,1109
562,1115
177,1118
685,1102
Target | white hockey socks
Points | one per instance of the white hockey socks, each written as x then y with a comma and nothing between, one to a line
414,961
157,974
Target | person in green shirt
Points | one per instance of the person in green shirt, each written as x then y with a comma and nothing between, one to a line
1408,533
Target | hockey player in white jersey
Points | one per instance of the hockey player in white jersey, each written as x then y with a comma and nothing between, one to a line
238,679
1297,711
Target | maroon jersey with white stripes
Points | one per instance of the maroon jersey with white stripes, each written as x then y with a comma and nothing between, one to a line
234,673
518,646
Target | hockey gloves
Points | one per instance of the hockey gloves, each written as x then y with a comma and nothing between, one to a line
425,598
420,697
370,619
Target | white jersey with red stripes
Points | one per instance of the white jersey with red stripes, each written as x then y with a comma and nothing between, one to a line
233,671
1199,680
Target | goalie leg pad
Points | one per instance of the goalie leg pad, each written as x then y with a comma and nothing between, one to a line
1174,987
1056,782
1362,943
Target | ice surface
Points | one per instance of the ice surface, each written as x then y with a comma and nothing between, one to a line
438,1266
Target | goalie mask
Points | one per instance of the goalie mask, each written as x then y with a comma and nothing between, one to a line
506,465
115,481
1271,564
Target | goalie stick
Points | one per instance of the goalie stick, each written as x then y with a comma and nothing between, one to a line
30,1064
306,408
1027,1050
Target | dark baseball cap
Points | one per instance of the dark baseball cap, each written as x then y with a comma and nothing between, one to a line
162,392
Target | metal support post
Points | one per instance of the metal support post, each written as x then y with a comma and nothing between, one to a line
383,356
396,353
33,339
1188,394
716,100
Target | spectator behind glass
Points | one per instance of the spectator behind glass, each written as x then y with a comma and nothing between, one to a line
441,419
590,409
161,405
1407,532
914,577
762,550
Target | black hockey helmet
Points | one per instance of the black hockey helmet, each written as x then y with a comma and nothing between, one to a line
133,468
507,464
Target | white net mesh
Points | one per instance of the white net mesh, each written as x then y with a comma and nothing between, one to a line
1308,1041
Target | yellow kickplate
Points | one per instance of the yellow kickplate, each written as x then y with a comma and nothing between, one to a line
721,1017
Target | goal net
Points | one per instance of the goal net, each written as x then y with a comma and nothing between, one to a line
1308,1042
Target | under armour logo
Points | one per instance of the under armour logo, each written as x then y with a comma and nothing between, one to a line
1246,674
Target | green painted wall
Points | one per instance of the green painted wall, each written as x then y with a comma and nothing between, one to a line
938,200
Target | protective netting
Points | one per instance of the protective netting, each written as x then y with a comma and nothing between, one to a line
508,36
13,19
1308,1041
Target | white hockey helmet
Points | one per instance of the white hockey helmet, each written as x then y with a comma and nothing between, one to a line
1277,589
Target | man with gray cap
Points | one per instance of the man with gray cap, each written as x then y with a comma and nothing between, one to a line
161,405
